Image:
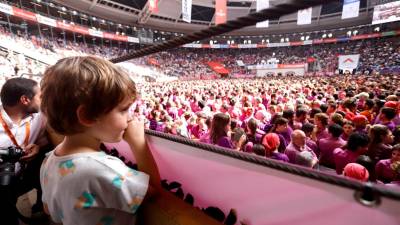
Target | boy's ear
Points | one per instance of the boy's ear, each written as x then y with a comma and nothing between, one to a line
82,117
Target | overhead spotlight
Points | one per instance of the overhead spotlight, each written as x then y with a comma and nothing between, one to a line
324,36
377,29
302,38
330,35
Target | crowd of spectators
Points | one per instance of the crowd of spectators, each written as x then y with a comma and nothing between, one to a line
376,55
347,126
341,124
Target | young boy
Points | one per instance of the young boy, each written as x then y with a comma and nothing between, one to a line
87,99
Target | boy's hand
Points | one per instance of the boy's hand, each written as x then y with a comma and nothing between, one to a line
134,134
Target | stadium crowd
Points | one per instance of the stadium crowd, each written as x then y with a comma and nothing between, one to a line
343,124
376,55
346,125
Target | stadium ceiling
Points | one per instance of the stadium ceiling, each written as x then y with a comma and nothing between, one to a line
169,16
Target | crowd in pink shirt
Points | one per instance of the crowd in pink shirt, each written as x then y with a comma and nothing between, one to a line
325,123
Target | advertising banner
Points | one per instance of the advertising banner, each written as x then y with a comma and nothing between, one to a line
218,67
46,20
348,62
220,11
153,6
351,9
187,10
262,4
304,16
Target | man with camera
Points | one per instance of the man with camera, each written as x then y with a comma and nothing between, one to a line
22,140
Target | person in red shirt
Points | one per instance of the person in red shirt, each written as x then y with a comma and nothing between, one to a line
368,110
349,107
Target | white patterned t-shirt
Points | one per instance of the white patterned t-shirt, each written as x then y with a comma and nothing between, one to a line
91,188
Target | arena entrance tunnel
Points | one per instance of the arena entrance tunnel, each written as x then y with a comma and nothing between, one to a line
237,188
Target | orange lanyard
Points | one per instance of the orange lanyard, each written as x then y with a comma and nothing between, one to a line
11,136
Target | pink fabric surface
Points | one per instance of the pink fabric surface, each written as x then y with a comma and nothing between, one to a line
261,195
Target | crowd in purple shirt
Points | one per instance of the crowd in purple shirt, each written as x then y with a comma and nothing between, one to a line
324,123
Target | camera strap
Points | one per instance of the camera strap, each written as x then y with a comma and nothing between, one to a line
11,135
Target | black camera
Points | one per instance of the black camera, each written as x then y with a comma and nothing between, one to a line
8,157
